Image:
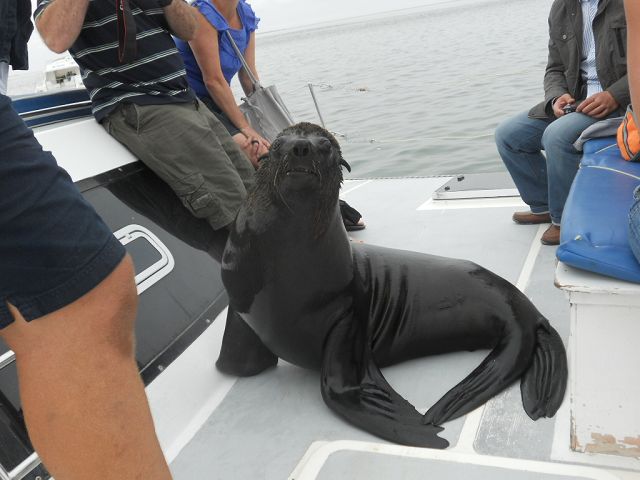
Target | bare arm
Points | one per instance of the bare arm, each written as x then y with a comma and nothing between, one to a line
632,10
205,48
250,57
181,18
60,23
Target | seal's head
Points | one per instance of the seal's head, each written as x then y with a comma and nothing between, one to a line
304,157
303,169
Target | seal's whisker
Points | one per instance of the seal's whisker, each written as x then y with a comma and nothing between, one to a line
275,187
285,202
316,169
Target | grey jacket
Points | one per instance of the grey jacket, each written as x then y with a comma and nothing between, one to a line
565,51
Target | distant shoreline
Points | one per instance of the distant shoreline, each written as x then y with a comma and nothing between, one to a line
371,16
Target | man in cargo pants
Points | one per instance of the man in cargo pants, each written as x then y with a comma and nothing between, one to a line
139,93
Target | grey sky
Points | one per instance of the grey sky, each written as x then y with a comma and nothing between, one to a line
276,15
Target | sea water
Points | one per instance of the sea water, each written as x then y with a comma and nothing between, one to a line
415,92
411,92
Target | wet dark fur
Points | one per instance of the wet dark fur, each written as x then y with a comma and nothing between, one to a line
271,172
301,291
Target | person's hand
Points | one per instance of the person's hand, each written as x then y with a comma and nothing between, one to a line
560,103
255,145
598,105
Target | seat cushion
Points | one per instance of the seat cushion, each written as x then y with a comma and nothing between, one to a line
595,221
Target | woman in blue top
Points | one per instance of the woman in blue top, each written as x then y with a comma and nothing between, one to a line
211,63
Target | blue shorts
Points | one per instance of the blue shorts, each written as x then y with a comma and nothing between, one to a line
54,247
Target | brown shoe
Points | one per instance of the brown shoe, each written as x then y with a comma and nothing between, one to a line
530,218
551,236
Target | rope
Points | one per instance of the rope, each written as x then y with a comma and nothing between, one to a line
471,139
324,86
422,139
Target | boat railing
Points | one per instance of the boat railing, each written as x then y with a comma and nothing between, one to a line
43,109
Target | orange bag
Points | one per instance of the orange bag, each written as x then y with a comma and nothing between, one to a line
628,137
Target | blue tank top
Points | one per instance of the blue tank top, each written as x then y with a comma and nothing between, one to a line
229,61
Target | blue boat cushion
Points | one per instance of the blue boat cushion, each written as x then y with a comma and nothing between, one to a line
594,234
598,144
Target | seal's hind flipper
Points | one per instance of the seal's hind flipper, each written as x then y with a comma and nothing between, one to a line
353,387
496,372
544,383
242,354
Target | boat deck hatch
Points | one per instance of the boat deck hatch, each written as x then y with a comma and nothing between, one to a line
371,461
368,466
152,259
477,185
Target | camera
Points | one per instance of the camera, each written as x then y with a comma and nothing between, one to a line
569,108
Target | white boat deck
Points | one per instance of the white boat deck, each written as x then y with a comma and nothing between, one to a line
276,426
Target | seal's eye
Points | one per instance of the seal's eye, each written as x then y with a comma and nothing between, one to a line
324,144
275,146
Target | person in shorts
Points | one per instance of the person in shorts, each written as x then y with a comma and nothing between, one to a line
67,308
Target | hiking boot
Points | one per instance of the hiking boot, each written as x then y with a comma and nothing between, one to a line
551,236
530,218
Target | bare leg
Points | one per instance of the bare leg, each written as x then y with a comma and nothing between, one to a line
84,403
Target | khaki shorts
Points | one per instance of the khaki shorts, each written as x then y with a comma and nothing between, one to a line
186,146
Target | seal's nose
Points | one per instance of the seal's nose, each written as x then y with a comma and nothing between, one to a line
301,148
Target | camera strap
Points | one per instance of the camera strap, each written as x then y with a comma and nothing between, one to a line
126,32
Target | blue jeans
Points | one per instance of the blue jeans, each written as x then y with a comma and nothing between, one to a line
634,224
543,182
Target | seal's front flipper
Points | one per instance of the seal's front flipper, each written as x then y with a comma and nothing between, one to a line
353,387
242,354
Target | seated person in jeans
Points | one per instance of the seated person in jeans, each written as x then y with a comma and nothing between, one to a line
634,224
140,95
632,8
582,74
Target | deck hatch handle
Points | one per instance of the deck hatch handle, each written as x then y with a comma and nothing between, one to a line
158,260
7,358
22,470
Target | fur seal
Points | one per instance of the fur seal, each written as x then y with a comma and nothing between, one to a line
301,291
